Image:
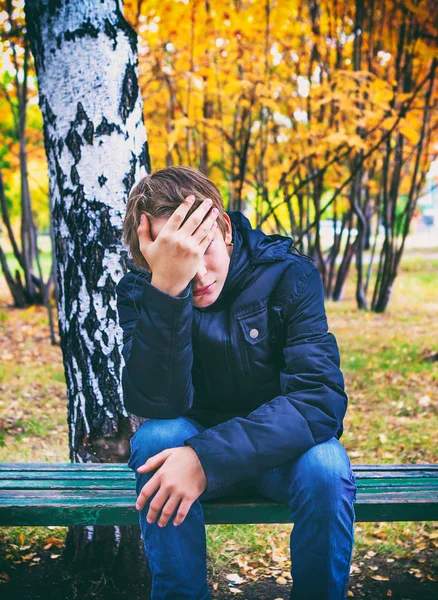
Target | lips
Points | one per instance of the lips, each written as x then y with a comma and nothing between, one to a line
203,290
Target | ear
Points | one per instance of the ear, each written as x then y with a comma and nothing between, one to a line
228,230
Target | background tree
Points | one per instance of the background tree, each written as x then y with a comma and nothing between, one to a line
306,112
16,89
86,63
303,114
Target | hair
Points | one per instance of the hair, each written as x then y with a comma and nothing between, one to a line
159,195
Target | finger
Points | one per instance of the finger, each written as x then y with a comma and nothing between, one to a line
173,223
147,491
193,222
184,508
206,225
156,504
168,509
153,462
208,238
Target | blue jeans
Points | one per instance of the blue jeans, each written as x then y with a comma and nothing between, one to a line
319,487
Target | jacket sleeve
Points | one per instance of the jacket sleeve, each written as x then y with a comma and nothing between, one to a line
157,348
309,410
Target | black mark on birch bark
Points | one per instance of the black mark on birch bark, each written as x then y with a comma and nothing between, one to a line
122,25
74,176
88,132
144,159
50,115
129,92
129,179
111,32
82,117
53,6
60,176
73,142
105,128
87,29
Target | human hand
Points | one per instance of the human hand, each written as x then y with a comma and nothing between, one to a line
175,255
180,480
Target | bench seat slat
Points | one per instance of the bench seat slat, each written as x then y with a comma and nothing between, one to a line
53,483
112,510
412,470
118,470
34,497
129,475
104,494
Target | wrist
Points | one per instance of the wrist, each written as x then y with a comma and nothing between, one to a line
165,287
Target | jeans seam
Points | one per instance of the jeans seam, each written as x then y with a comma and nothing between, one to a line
353,481
347,576
148,555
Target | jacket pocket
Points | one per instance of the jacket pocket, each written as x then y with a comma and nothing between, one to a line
255,326
257,346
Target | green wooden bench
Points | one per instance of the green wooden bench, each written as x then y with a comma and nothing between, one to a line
104,494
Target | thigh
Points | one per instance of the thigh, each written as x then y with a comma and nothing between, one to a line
318,468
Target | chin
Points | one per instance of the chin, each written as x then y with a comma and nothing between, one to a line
203,300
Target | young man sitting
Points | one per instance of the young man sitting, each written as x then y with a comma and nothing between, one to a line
227,354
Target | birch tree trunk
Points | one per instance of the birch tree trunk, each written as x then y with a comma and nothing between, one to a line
86,62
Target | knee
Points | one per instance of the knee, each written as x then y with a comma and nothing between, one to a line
156,435
324,478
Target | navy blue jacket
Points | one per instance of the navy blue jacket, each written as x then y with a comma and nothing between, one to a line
258,367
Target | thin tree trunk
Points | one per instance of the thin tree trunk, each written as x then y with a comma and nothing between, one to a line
18,293
28,228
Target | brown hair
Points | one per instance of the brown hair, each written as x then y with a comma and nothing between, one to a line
159,195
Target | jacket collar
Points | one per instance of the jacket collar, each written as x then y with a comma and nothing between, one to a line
252,247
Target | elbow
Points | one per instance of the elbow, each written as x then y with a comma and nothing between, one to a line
157,407
142,406
331,419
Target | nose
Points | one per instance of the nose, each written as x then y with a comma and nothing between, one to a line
200,274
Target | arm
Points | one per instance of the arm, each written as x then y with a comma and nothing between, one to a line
157,348
309,410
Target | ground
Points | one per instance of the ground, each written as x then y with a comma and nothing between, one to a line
49,580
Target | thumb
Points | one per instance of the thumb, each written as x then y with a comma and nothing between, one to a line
144,231
145,227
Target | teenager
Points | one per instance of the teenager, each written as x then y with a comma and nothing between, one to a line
228,355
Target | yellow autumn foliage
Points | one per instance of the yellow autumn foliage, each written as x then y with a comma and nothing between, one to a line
263,96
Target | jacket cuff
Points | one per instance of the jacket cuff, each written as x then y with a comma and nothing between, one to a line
208,460
163,307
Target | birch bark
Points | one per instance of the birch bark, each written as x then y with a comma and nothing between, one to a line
86,61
